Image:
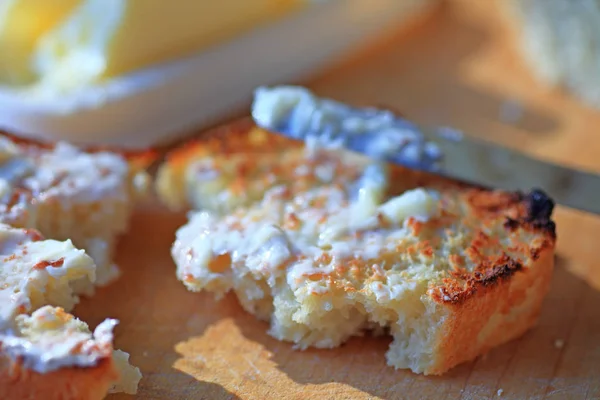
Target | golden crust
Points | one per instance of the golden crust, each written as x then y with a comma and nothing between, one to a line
239,137
492,291
90,383
530,213
501,298
502,311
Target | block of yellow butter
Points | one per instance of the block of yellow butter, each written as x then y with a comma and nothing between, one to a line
71,43
22,24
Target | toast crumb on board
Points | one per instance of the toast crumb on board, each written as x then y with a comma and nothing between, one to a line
328,244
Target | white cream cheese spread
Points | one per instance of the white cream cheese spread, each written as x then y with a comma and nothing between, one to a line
51,338
35,272
69,173
296,235
64,173
63,192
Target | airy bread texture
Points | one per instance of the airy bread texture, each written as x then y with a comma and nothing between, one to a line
333,245
560,40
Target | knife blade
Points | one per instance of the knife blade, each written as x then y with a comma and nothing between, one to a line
490,165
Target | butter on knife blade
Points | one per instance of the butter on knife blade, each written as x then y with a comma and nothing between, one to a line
299,114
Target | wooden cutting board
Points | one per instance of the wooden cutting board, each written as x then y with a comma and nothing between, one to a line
459,68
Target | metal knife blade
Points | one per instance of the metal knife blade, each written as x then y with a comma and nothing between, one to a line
491,165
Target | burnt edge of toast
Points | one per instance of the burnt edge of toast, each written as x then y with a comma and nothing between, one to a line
538,213
536,216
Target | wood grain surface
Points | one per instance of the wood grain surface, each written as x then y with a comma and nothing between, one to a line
459,68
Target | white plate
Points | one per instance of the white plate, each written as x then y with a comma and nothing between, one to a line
163,103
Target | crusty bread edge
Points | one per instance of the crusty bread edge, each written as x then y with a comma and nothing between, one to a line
73,383
459,339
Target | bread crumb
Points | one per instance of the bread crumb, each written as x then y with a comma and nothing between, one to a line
500,392
559,343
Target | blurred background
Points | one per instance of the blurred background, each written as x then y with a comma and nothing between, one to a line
136,74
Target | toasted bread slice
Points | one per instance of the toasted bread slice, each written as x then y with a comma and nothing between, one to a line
333,245
66,193
50,354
